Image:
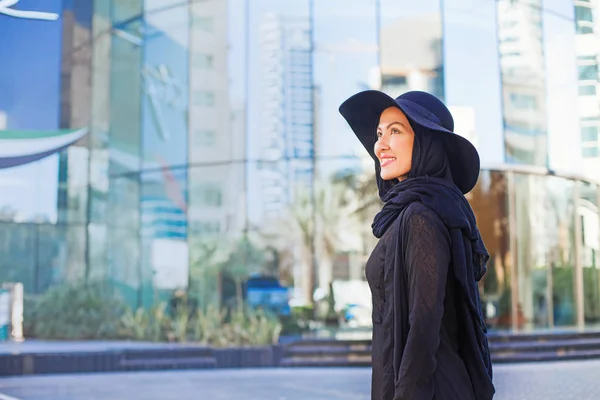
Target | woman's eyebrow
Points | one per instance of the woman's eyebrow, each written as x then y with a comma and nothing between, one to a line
393,123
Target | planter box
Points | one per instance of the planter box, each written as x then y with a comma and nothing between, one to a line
247,357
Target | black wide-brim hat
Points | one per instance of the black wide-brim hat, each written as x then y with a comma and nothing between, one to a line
363,110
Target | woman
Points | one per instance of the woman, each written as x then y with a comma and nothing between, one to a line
429,336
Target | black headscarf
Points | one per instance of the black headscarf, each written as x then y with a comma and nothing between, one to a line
430,183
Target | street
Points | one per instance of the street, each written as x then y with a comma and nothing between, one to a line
561,380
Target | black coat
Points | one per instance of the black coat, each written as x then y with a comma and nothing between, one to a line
420,315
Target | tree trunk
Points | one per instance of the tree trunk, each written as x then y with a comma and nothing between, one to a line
238,292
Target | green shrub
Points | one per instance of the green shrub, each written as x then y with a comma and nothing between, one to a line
151,325
79,312
239,327
74,312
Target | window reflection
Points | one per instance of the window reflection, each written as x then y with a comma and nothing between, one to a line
523,81
545,260
279,104
489,200
345,62
123,212
472,78
414,64
588,79
564,146
587,212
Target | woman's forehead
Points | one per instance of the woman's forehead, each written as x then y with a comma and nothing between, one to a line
391,115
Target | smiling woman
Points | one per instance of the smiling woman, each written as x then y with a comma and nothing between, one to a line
394,144
424,270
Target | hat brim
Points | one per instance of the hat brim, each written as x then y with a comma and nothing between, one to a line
363,110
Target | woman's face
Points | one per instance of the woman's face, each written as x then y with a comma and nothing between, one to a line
394,144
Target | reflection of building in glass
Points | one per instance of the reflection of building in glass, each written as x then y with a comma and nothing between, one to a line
414,64
203,121
523,81
286,111
273,165
588,52
214,206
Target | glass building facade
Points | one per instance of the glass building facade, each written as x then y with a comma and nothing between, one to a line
216,153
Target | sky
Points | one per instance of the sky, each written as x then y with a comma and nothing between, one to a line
30,98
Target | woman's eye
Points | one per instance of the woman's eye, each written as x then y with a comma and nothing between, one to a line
379,134
395,130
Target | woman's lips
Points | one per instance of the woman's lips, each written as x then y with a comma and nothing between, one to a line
387,161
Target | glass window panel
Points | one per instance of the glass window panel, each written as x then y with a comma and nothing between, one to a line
544,216
163,197
584,30
124,149
31,86
590,152
202,61
216,218
472,74
587,90
589,133
203,23
489,200
208,194
588,72
587,211
18,247
523,76
205,137
280,102
583,13
419,59
564,148
562,213
204,99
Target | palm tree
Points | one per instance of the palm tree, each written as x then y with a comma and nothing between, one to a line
207,256
317,223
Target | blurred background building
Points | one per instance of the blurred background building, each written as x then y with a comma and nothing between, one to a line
210,149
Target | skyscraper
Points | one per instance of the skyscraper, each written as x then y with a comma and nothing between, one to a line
287,143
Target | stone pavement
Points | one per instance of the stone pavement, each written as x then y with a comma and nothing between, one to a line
549,381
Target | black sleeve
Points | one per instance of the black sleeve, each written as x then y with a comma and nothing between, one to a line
426,260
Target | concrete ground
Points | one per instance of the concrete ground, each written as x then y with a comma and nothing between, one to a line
549,381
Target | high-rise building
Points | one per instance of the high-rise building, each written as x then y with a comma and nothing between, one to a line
286,129
587,22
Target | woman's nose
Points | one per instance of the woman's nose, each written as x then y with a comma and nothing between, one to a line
381,144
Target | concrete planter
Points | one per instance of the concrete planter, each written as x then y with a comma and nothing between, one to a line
247,357
49,358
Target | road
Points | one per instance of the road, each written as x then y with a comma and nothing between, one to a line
565,380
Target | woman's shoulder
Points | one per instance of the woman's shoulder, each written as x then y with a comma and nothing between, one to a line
418,217
417,211
414,214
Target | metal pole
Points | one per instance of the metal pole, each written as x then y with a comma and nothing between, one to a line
578,281
550,292
315,263
514,268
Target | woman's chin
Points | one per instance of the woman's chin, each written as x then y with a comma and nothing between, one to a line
387,177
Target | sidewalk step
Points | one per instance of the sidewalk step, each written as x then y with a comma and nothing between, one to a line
148,364
308,351
545,356
503,348
504,337
349,361
542,346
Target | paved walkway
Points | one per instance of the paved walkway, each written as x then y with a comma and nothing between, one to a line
548,381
